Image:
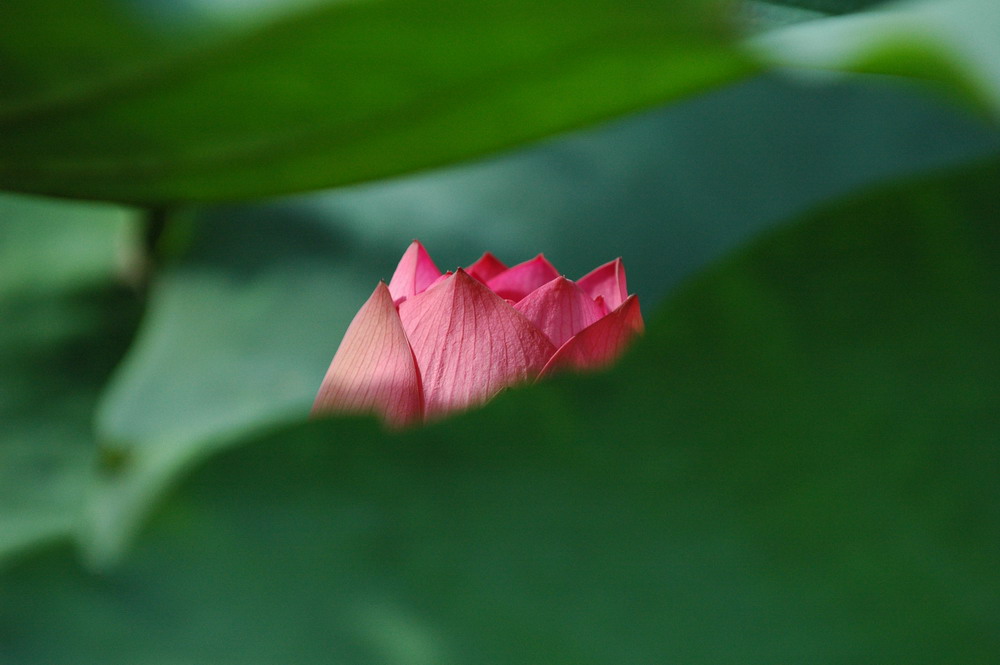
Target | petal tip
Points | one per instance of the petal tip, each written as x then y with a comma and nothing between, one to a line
373,369
414,272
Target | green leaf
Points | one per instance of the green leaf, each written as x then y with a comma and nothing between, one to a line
955,43
798,464
62,328
341,93
241,328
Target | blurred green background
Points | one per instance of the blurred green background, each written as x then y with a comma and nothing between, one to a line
797,463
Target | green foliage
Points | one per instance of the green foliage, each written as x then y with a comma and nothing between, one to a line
62,329
797,463
952,42
344,92
801,447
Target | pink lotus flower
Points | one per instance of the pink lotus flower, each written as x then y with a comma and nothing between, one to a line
431,343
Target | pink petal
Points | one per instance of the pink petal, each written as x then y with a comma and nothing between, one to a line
517,282
414,273
607,281
437,280
560,309
486,268
602,342
469,343
374,369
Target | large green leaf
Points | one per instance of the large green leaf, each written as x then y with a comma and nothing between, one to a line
952,42
343,92
62,328
278,284
798,464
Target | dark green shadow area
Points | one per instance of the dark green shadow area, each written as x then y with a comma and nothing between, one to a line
797,464
827,6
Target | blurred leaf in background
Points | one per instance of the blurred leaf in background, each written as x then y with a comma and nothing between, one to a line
955,43
63,327
798,464
336,93
104,104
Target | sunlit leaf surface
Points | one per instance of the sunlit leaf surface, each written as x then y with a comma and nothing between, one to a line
955,43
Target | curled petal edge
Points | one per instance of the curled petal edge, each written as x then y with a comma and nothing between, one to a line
601,343
607,282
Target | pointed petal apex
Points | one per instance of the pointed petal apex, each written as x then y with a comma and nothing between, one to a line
469,343
517,282
486,268
601,343
560,309
414,273
373,370
607,281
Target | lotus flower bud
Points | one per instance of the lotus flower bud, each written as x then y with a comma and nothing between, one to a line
430,343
